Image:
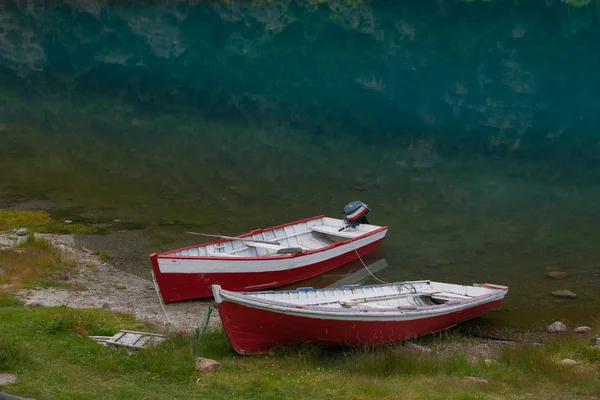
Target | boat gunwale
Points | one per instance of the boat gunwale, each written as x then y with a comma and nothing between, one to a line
169,255
249,299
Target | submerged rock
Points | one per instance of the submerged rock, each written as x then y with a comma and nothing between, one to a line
563,294
583,329
206,364
557,274
439,263
556,327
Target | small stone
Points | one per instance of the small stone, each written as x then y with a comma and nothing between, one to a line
117,220
556,327
206,364
564,294
32,304
583,329
595,341
106,306
557,274
567,361
22,232
6,250
68,221
5,379
477,379
539,339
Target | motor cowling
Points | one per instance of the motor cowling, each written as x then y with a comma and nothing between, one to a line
356,213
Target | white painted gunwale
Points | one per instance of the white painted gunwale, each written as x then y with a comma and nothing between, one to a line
365,314
170,263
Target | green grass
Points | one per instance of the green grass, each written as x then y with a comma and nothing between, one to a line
48,351
36,263
39,221
102,255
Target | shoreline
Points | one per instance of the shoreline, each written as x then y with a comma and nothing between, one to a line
98,284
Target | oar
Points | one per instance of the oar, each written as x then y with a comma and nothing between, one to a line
235,238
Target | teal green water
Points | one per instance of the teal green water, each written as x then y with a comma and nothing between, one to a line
470,128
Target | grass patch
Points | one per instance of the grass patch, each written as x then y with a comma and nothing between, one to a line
102,255
39,221
11,356
36,263
69,365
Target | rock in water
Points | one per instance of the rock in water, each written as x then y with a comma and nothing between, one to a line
557,274
583,329
206,364
563,294
567,361
22,232
557,327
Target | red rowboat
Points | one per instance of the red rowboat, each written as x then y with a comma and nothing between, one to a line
264,258
364,315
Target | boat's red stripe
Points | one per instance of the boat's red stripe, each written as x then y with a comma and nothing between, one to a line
252,330
180,286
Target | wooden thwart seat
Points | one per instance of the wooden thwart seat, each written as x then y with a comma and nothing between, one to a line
332,230
277,249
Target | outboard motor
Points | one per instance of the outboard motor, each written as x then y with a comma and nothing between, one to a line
356,214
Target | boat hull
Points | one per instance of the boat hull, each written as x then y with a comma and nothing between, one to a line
253,330
196,276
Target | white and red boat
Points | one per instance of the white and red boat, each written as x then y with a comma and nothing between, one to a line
365,315
266,258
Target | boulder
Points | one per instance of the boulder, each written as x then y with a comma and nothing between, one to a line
22,232
206,364
556,327
583,329
564,294
557,274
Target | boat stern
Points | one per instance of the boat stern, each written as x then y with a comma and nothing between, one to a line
216,289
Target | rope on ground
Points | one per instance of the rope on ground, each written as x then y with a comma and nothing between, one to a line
206,318
160,298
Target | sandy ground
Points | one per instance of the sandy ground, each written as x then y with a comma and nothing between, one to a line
98,284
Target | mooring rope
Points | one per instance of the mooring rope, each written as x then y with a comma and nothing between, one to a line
160,298
365,265
206,318
409,286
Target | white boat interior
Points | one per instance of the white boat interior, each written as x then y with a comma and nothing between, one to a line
303,236
414,294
